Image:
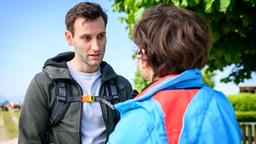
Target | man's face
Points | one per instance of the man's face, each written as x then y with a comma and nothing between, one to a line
89,41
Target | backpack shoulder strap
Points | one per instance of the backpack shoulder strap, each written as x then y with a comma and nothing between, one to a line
61,105
64,99
112,92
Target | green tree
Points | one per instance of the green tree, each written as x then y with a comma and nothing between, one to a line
233,30
208,77
140,82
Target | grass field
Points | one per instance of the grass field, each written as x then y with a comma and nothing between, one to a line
8,125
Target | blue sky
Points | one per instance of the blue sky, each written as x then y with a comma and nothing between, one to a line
33,31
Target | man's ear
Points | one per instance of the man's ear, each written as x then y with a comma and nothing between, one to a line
69,38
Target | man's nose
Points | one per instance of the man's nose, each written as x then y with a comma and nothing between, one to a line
96,45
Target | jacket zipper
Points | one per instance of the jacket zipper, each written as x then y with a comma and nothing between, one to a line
104,115
81,110
104,110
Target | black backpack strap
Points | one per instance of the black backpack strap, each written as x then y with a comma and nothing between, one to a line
112,95
64,99
112,92
61,105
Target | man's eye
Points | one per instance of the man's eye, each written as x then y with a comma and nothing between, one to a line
87,38
101,36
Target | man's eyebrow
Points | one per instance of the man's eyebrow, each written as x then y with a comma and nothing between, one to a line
84,35
102,32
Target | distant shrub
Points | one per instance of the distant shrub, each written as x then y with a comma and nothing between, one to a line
248,116
245,106
243,101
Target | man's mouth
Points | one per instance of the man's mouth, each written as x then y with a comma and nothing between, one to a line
94,55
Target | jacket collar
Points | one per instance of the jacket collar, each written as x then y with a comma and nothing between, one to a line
188,79
57,68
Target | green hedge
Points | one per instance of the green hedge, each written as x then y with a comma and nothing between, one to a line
245,106
249,116
243,101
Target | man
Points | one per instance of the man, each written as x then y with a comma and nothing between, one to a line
68,76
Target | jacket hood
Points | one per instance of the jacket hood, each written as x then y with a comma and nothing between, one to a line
60,60
57,68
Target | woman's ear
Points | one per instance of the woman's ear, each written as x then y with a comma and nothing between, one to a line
148,71
145,64
69,38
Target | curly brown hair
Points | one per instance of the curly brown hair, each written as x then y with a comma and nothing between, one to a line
174,39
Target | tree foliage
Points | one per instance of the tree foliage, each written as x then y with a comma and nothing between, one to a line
208,77
233,30
140,82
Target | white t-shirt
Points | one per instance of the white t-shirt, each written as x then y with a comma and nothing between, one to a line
93,129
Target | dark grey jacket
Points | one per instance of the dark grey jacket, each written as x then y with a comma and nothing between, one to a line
41,96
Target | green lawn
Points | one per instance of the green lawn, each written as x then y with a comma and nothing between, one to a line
9,124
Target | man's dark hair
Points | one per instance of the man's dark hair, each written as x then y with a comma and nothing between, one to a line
89,11
174,39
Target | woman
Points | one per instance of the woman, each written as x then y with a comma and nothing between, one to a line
177,107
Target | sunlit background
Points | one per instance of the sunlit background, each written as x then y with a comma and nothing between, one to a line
33,31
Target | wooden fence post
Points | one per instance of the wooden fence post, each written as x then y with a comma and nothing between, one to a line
248,132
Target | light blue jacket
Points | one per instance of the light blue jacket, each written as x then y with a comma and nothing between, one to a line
208,116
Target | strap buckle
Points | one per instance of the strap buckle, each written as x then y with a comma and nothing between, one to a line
87,98
62,98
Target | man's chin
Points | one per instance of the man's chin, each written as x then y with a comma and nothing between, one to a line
96,64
